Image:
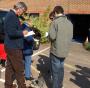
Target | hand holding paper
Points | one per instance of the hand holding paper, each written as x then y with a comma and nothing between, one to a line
29,33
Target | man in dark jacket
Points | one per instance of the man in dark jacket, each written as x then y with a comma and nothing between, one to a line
60,34
13,46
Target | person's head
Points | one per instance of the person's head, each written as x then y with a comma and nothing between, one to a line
20,8
51,16
58,10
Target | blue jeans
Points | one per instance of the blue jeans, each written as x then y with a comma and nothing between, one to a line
57,71
27,62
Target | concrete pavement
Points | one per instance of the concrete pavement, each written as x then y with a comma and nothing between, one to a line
77,67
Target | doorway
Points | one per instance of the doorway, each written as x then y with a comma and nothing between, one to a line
81,25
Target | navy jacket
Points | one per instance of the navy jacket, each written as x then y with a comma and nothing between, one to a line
28,41
13,32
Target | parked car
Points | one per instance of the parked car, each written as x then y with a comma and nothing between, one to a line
2,51
2,16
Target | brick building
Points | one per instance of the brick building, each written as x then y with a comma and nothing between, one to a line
78,11
39,6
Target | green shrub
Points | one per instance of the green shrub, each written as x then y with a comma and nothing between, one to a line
42,23
87,46
42,26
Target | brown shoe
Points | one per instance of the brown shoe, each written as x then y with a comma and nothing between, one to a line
14,86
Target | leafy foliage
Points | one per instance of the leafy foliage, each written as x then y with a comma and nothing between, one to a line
42,23
87,46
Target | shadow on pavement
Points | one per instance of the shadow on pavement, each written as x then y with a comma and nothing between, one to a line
82,77
44,67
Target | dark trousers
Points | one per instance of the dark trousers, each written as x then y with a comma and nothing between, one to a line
14,68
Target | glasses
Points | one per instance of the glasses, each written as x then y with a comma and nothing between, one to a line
23,10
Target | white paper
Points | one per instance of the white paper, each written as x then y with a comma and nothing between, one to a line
29,33
46,34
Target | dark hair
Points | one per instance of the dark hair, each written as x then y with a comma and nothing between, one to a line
20,5
58,9
51,15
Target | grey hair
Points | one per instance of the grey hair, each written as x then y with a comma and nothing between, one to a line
20,5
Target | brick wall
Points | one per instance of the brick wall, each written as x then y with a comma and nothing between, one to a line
70,6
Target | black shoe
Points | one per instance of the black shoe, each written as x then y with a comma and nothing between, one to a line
31,78
3,63
27,78
31,61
